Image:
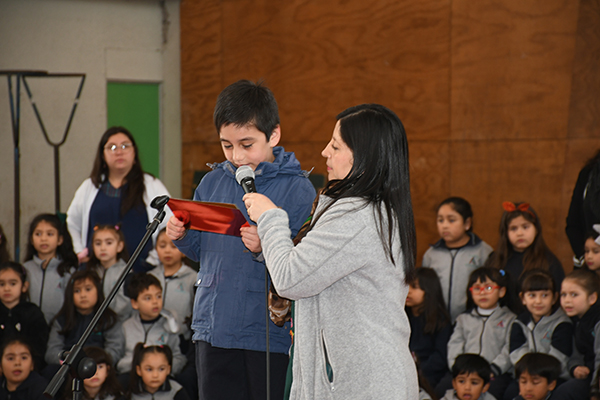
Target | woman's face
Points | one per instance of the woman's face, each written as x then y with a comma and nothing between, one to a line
339,156
121,159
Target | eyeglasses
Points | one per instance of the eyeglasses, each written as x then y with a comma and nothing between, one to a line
482,289
114,147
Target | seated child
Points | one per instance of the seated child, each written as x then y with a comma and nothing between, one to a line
537,374
150,378
104,384
150,324
178,282
470,379
19,380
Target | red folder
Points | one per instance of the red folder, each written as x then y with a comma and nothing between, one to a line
221,218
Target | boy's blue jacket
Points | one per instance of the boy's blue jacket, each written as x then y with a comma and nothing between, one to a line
229,307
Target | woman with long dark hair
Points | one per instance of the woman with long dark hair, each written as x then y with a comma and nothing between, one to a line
117,192
349,275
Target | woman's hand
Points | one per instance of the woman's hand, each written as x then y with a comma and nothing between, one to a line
257,204
250,238
175,228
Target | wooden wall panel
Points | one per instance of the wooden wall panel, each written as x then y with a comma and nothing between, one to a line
493,93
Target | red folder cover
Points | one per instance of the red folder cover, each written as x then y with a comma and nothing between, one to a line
221,218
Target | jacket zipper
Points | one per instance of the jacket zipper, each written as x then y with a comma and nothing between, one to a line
453,256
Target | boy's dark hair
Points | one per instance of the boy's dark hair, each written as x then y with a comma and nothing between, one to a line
247,103
140,282
462,207
472,364
539,364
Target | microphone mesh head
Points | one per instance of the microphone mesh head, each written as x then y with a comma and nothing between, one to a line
242,173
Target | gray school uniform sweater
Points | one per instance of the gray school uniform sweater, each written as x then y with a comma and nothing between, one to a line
162,332
486,336
552,335
178,294
46,286
121,304
351,331
453,267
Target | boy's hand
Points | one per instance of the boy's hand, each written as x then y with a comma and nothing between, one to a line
175,228
581,372
257,204
251,239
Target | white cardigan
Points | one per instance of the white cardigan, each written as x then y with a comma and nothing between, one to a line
78,213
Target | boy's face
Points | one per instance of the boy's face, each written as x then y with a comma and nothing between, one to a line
246,145
534,387
469,386
149,303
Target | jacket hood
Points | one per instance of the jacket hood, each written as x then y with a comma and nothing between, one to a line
285,163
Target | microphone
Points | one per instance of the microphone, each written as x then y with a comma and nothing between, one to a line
245,177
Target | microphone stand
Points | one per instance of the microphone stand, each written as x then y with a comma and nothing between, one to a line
84,367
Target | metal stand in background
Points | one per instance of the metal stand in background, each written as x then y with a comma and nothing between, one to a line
14,97
82,367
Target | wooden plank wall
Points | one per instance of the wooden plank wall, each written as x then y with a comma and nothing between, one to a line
499,97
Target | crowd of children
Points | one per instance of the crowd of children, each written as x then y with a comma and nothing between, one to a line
139,344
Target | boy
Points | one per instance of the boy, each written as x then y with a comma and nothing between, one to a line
149,324
229,308
537,374
470,379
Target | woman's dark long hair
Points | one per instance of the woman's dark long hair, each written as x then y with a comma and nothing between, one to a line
380,175
65,252
134,194
68,311
433,307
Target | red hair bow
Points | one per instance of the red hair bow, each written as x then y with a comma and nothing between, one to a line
509,206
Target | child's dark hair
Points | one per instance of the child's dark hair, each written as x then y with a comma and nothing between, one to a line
433,307
139,352
535,256
4,254
462,207
472,364
64,251
588,280
537,279
500,277
539,364
116,229
247,103
111,385
20,271
67,316
140,282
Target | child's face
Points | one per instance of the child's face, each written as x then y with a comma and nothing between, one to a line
106,247
416,295
469,386
11,288
534,387
451,226
487,294
574,299
592,254
94,383
153,370
45,240
149,303
16,364
85,296
168,253
247,145
521,233
339,156
539,302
